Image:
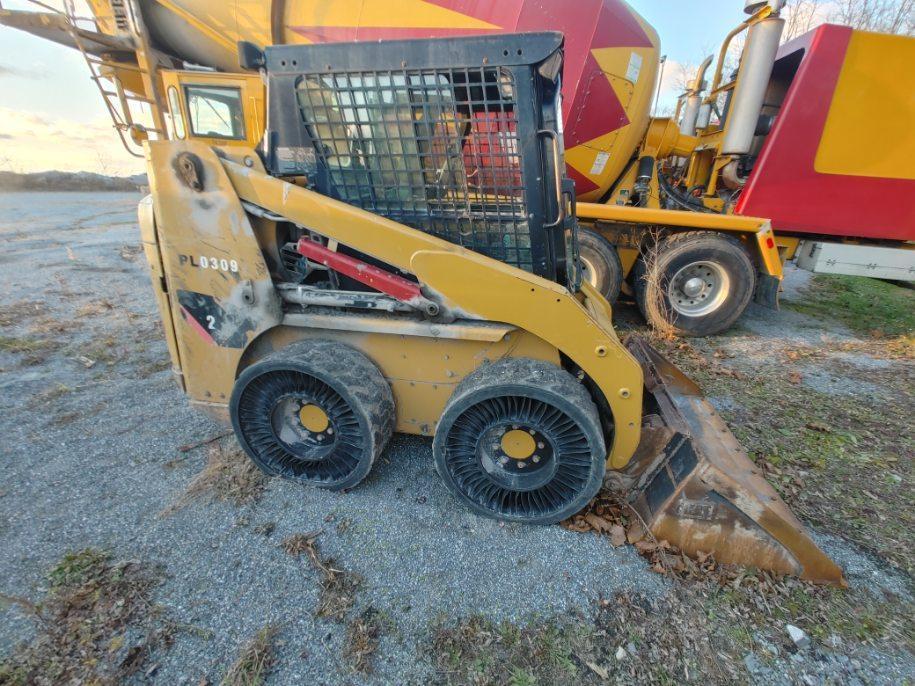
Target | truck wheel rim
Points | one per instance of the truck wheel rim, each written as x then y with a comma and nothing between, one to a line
698,289
588,273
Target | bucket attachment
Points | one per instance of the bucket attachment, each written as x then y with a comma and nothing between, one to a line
694,486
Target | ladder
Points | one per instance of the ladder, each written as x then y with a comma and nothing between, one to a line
130,28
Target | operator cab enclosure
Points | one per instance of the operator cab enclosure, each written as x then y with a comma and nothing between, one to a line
464,146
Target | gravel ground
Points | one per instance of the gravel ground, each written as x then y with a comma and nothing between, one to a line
90,434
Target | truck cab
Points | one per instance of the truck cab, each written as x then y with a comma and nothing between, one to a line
215,107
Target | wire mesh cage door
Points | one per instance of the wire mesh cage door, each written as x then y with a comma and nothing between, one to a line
457,137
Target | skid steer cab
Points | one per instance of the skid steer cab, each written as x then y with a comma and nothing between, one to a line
402,255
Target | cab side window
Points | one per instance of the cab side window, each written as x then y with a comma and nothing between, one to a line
175,110
215,112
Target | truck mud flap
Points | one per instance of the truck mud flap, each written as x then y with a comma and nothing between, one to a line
693,485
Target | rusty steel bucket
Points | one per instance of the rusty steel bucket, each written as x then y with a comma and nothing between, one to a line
693,485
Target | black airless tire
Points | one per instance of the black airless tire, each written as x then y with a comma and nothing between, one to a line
315,412
696,283
520,440
600,264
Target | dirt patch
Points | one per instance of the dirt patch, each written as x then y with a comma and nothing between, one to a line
228,476
97,624
256,660
129,253
629,639
107,350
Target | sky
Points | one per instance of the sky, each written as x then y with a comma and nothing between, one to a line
52,116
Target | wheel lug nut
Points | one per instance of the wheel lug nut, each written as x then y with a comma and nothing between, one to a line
522,465
536,458
541,445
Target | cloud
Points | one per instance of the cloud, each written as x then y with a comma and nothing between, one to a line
38,141
35,72
671,86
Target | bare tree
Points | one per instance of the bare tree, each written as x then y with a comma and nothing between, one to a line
884,16
801,16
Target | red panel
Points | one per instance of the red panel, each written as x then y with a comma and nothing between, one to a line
342,34
785,186
379,279
596,110
489,155
582,183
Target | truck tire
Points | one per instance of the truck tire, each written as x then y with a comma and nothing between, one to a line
600,264
316,412
695,283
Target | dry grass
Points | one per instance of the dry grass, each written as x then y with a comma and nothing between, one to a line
255,661
697,632
129,253
95,308
362,636
48,325
18,312
25,344
97,624
228,476
649,253
841,461
338,586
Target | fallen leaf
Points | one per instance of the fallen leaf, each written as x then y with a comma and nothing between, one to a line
599,523
794,377
617,535
646,546
597,669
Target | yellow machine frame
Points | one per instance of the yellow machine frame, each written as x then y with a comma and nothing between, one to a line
537,318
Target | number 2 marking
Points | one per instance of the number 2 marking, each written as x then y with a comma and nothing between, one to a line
211,322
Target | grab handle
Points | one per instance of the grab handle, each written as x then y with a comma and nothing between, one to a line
557,178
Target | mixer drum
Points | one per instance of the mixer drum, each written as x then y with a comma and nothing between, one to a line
610,70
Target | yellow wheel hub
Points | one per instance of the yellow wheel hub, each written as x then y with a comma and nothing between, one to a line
518,444
314,418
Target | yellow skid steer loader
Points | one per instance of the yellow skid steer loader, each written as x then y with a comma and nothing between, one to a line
402,256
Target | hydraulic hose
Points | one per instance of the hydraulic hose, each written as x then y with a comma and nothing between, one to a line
683,201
